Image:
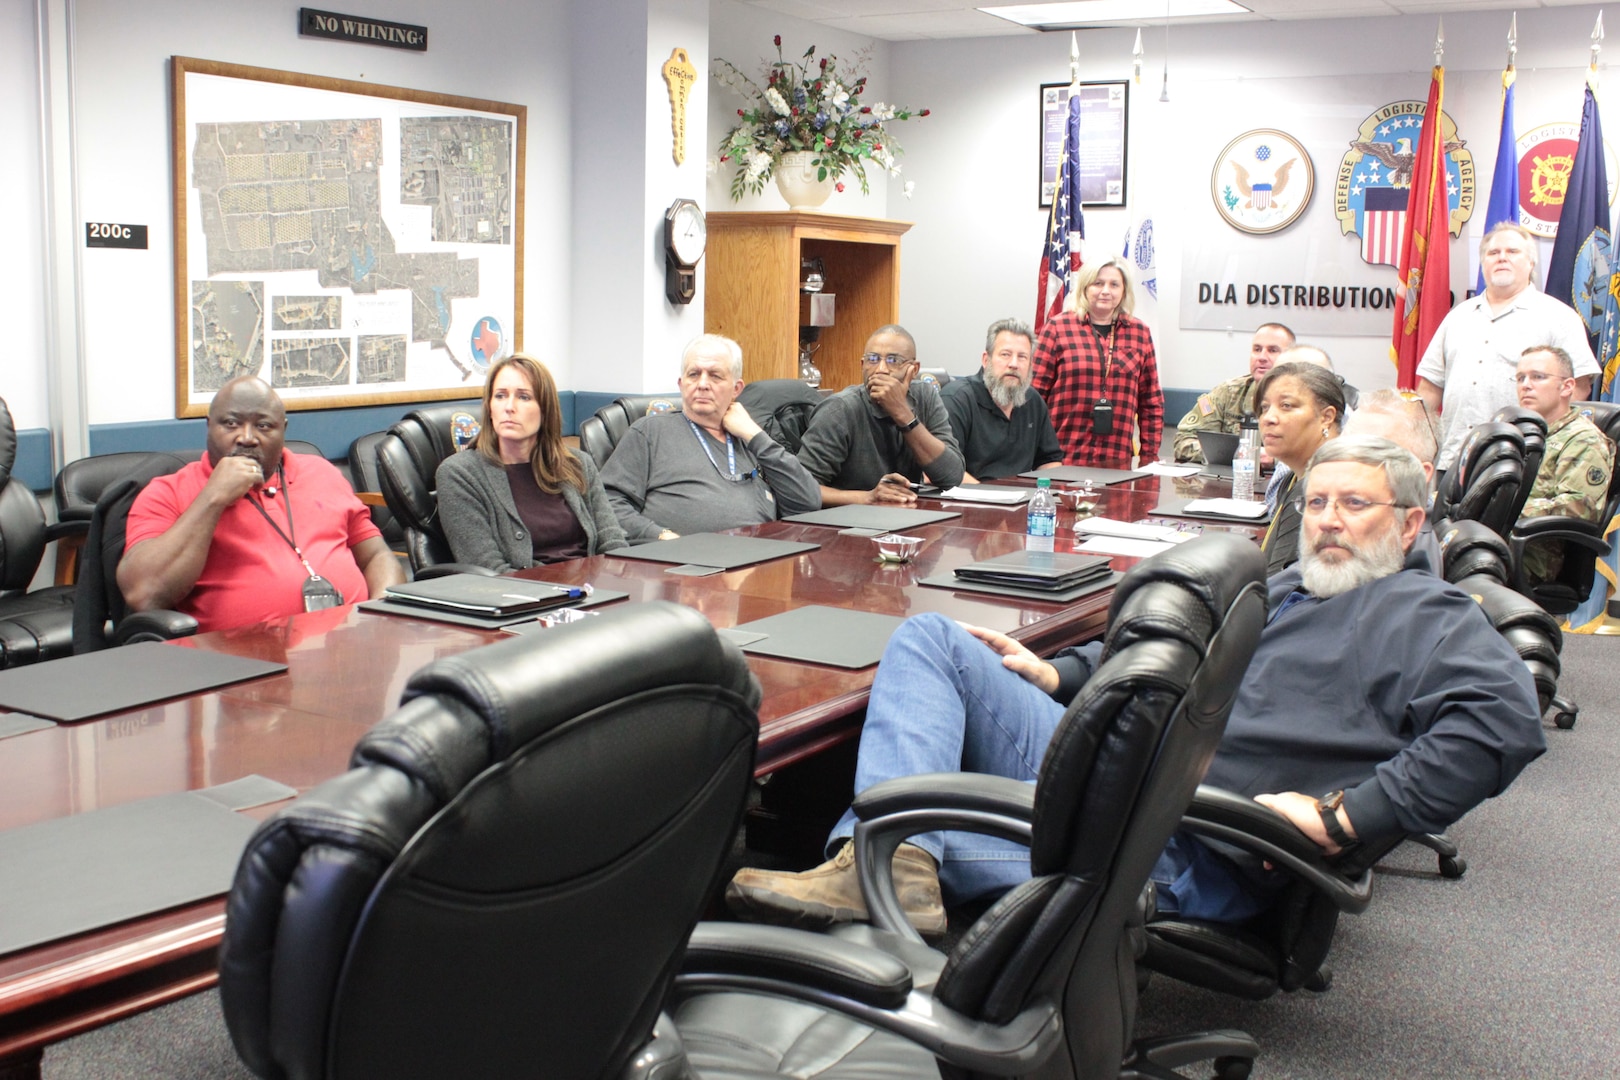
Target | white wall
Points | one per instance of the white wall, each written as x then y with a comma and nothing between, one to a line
22,372
480,48
974,254
742,34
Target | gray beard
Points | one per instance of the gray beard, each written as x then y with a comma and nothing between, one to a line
1005,396
1378,559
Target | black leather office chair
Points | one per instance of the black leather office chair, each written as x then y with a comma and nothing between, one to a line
34,624
408,458
1468,548
101,618
502,882
936,375
363,471
599,435
1043,984
782,407
1533,429
1584,542
1488,482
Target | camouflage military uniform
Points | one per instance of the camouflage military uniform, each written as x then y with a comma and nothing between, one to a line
1573,482
1221,409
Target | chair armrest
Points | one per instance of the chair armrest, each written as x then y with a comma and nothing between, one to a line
445,569
803,966
866,975
155,625
1242,822
948,791
1556,527
71,527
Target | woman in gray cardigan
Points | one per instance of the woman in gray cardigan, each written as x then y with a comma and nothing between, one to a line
518,496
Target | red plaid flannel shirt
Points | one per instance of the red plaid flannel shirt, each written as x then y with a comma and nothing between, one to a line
1069,376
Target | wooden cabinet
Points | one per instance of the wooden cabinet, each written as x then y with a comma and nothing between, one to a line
752,287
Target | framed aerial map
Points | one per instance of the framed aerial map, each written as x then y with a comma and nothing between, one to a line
351,244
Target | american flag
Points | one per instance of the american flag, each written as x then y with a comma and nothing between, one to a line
1383,225
1066,225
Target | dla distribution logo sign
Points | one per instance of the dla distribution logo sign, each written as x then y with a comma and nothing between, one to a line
1375,179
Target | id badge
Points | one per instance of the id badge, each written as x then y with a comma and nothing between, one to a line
1102,417
320,594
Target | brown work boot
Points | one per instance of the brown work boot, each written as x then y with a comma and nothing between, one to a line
831,893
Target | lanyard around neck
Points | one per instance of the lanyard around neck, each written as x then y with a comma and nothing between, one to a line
1108,357
290,537
731,453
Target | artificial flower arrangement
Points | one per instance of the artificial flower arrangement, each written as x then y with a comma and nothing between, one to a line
807,108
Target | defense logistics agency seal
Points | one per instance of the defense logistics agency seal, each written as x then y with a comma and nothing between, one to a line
1375,179
1546,155
1262,181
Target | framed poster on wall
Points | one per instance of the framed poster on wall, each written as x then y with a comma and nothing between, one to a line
1103,107
351,244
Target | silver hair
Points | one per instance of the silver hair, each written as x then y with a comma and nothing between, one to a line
1007,326
1520,231
1401,469
706,343
1306,354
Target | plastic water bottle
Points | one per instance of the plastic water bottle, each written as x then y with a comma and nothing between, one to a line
1042,517
1243,470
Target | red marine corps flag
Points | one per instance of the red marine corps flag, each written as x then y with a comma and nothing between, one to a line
1425,266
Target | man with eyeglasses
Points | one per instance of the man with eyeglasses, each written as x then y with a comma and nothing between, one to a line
707,467
874,442
1002,426
1466,374
1573,480
1380,702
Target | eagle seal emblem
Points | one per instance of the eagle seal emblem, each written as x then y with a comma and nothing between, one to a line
1262,181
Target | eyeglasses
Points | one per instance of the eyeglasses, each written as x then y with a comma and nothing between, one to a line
1347,505
1537,377
1413,395
873,359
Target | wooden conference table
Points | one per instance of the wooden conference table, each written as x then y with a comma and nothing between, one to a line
346,669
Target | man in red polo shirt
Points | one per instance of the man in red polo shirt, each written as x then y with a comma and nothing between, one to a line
251,533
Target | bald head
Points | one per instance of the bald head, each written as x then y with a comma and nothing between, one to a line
247,419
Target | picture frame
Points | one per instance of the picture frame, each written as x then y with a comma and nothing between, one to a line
1104,130
350,243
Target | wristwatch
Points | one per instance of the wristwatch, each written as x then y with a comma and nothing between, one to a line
1328,806
915,420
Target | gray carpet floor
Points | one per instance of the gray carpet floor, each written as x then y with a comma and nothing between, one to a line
1511,971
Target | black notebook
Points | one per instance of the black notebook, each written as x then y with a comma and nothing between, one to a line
1047,570
478,595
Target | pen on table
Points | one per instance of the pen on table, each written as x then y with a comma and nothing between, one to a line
898,482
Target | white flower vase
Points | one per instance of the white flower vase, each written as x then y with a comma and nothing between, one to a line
796,179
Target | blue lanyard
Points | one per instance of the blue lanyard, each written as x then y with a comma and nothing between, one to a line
731,454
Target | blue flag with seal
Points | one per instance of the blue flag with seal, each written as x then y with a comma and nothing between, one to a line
1579,271
1503,204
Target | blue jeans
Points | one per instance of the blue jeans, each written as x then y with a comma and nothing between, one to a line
942,702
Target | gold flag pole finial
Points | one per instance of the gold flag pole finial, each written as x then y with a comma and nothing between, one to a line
1439,41
1137,57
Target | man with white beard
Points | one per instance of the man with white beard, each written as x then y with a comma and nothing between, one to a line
1380,702
1001,424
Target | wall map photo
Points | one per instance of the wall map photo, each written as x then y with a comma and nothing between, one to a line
352,244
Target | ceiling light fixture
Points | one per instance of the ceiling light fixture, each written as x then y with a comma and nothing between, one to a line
1081,13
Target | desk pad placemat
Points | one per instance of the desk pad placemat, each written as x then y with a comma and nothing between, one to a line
713,549
1012,592
1173,506
823,635
80,873
116,680
17,724
882,518
1074,474
481,622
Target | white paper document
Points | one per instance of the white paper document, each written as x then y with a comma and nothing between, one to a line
1227,507
986,493
1165,468
1120,545
1133,530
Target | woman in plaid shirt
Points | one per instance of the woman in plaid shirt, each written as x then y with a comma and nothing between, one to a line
1096,369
